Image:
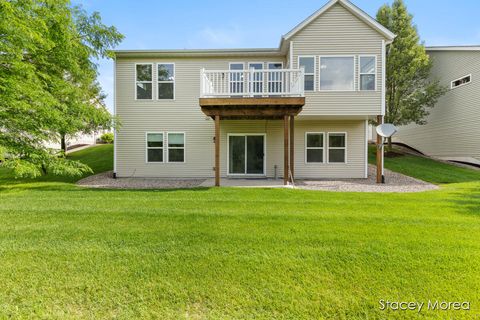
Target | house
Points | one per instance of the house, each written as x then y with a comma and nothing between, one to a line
297,111
452,131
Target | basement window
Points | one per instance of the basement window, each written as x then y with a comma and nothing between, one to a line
461,82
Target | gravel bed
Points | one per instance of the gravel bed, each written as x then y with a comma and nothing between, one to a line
106,180
395,182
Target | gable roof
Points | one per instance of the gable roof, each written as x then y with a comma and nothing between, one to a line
360,14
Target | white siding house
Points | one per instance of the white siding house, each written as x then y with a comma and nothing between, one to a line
302,107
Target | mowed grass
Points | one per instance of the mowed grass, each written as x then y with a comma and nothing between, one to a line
68,252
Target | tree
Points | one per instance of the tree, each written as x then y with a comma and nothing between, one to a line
409,90
48,83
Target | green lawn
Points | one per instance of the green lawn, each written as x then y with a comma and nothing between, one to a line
68,252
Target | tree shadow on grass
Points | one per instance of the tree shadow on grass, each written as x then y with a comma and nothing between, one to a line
466,199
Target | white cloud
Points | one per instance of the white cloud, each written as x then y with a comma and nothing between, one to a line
217,37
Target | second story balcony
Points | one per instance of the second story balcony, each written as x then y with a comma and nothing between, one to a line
252,94
251,83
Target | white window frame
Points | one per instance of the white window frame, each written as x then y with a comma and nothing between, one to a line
314,148
272,81
310,74
336,56
337,148
360,73
252,80
147,147
463,84
135,82
168,147
264,173
230,81
166,81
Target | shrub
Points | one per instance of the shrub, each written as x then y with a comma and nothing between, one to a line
107,137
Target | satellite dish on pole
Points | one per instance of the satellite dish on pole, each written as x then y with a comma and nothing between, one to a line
386,130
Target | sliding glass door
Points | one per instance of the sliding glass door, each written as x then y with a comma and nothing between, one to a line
246,154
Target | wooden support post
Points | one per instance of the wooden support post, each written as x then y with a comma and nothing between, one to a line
292,146
217,151
379,153
285,150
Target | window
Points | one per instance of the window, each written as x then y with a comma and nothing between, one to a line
367,73
154,147
337,147
275,78
337,73
257,77
462,81
176,147
314,147
236,78
166,81
308,63
144,81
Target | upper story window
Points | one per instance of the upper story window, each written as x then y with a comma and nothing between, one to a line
308,63
144,81
236,77
367,73
462,81
166,80
275,78
337,73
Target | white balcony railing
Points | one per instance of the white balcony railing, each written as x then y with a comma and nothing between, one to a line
252,83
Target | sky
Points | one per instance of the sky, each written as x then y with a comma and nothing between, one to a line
209,24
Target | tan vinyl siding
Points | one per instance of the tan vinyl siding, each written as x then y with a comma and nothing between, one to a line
355,130
181,115
339,32
452,129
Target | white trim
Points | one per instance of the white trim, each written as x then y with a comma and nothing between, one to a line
337,148
375,73
167,147
366,148
147,147
115,113
384,75
320,72
309,74
135,82
291,66
453,48
463,84
350,7
165,81
315,148
264,135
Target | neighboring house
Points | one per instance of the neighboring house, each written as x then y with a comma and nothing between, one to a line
452,131
302,108
79,139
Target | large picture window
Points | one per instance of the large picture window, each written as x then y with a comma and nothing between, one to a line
314,147
367,73
337,73
176,147
155,147
337,147
144,81
308,63
166,80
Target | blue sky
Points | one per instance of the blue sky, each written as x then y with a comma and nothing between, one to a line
189,24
